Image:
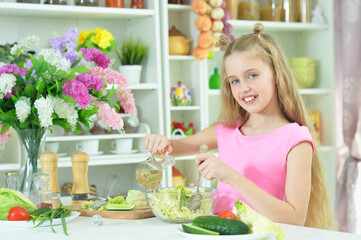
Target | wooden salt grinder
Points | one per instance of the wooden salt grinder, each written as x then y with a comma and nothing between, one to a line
49,165
80,190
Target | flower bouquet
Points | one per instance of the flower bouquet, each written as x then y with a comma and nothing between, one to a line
98,38
55,88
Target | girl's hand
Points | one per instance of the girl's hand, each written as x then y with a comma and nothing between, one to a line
158,144
211,167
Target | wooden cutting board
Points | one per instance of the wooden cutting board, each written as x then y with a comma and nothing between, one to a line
136,213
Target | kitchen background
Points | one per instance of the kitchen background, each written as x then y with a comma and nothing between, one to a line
112,168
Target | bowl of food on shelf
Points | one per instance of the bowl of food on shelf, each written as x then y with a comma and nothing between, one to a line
304,70
171,204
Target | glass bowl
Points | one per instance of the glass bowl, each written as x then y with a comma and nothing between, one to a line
171,204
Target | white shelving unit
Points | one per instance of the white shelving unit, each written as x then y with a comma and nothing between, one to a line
19,20
299,40
191,71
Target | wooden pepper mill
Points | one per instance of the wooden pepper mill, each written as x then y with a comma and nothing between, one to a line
49,165
80,190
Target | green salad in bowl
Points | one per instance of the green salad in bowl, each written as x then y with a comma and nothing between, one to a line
172,204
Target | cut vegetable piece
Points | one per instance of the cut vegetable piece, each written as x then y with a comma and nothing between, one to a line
189,228
120,207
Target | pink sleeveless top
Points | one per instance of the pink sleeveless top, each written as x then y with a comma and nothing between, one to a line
261,159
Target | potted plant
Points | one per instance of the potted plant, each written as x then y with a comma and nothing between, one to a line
131,55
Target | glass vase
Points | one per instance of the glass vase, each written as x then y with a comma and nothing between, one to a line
30,140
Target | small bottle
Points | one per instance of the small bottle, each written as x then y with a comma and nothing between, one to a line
137,4
249,10
41,195
271,10
12,180
215,80
114,3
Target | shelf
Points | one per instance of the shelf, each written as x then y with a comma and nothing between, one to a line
245,25
68,11
101,160
139,86
181,58
179,7
185,108
303,91
314,91
326,148
94,137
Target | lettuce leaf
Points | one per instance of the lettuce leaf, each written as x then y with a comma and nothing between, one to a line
257,222
137,198
10,198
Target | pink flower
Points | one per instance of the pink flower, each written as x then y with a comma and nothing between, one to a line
125,95
127,99
96,56
4,138
13,69
78,91
90,81
108,116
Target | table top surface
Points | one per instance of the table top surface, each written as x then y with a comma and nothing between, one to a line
150,228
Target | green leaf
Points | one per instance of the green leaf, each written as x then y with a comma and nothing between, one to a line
71,75
60,74
75,63
34,61
14,98
80,69
111,92
40,86
85,113
29,90
63,223
30,71
5,127
68,98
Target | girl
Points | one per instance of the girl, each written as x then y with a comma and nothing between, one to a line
267,156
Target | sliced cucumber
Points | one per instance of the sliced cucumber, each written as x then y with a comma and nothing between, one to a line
120,207
189,228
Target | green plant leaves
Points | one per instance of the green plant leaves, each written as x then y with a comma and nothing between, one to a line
132,52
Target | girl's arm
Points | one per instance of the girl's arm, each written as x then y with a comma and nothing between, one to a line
298,185
180,147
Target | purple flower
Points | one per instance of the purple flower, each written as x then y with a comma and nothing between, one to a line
96,56
66,45
13,69
90,81
71,55
78,91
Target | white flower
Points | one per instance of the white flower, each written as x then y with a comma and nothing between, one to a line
23,108
7,82
24,45
65,110
55,58
45,109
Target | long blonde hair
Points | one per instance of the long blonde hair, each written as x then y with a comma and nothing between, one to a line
320,211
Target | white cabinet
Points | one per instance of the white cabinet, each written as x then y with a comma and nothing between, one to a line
192,73
20,20
300,40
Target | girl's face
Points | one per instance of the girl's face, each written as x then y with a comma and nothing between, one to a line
252,82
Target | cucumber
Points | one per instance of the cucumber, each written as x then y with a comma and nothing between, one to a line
120,207
189,228
223,226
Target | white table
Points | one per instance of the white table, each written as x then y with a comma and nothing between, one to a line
144,229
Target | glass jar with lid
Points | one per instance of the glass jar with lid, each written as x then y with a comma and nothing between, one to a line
249,10
93,3
56,2
271,10
12,180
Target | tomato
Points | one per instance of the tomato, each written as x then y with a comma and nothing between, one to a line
227,214
18,214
